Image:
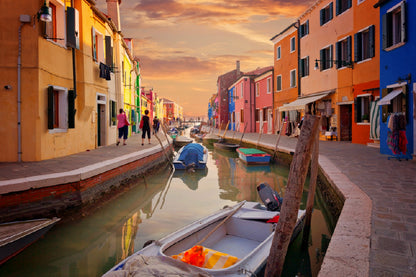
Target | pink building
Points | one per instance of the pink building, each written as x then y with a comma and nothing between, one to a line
263,86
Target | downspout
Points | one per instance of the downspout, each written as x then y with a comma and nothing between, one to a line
74,71
297,25
19,127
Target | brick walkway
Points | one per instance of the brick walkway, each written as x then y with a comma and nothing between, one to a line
389,186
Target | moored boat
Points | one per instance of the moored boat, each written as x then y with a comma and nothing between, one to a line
253,156
226,146
192,155
181,141
210,138
238,238
16,236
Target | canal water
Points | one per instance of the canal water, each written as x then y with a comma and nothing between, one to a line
158,205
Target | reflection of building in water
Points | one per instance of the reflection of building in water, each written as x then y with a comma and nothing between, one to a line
129,231
225,163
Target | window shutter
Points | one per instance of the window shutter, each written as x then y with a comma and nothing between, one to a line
108,52
372,43
72,28
338,7
50,107
403,23
331,11
331,55
385,30
355,109
322,16
338,54
349,4
357,47
349,45
94,45
322,59
307,27
307,66
71,109
302,68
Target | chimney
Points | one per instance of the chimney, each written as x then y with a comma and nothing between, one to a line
113,10
238,67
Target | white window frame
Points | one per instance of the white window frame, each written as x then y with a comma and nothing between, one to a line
60,16
269,85
292,44
293,78
278,77
396,30
63,110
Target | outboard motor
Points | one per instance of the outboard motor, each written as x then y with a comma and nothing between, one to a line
270,198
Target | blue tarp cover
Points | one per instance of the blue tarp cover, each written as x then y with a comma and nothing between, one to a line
192,152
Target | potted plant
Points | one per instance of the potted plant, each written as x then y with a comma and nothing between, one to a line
365,118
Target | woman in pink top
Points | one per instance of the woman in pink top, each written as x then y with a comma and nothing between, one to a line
123,127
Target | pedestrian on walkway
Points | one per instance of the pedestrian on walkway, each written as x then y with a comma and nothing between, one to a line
155,125
145,126
123,127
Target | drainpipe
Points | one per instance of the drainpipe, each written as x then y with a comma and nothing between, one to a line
297,25
23,19
74,70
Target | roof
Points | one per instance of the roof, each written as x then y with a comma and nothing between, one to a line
284,31
259,71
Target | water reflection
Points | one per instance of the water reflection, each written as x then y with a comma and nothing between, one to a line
156,206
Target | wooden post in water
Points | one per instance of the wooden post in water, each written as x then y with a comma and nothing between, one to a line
311,193
261,131
225,130
277,142
245,127
289,211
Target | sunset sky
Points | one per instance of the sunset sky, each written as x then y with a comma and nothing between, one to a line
184,45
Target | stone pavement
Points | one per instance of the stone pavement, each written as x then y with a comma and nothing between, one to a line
376,232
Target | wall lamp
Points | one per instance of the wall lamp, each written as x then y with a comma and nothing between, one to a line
340,63
45,14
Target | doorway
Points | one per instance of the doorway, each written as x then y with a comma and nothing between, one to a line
345,133
101,119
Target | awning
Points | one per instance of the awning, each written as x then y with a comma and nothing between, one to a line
300,103
386,99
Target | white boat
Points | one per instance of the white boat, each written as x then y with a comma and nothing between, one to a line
245,235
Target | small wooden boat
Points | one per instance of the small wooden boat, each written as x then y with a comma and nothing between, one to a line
240,235
253,156
181,141
226,146
16,236
210,138
192,155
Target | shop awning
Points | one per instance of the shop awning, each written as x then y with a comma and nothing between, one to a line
300,103
386,99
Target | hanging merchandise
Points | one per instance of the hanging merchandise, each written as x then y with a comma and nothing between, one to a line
396,136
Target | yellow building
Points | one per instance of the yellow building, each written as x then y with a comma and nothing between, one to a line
61,96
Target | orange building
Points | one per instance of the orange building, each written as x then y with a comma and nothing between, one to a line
285,77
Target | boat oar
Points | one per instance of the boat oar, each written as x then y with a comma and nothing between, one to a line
221,223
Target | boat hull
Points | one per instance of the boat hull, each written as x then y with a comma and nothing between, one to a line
244,235
16,236
226,146
259,157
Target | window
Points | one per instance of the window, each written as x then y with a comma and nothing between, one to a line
292,44
394,26
326,57
241,90
364,44
293,78
113,113
264,114
398,104
304,29
304,67
343,54
61,108
257,115
326,14
241,115
343,5
279,83
257,90
269,85
97,46
55,30
362,108
278,53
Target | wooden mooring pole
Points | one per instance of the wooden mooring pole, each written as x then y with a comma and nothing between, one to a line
289,211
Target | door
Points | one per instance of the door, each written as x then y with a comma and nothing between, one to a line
261,121
269,121
345,134
101,125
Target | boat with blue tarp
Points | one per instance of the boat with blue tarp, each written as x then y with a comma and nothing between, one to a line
193,155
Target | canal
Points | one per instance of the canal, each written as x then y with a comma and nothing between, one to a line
157,205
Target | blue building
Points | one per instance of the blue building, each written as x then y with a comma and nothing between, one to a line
397,77
231,108
209,112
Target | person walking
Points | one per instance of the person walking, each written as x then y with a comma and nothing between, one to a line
155,125
123,127
145,126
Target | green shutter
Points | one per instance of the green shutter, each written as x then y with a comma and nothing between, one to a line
50,107
338,7
331,11
71,109
94,45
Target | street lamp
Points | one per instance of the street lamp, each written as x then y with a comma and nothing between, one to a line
44,14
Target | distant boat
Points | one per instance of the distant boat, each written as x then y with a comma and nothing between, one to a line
16,236
226,146
181,141
236,242
210,138
192,155
253,156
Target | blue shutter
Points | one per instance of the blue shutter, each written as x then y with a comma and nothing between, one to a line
331,55
322,59
338,7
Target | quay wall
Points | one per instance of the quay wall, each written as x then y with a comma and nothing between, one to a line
58,194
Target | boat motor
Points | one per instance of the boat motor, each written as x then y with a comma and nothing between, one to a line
270,198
